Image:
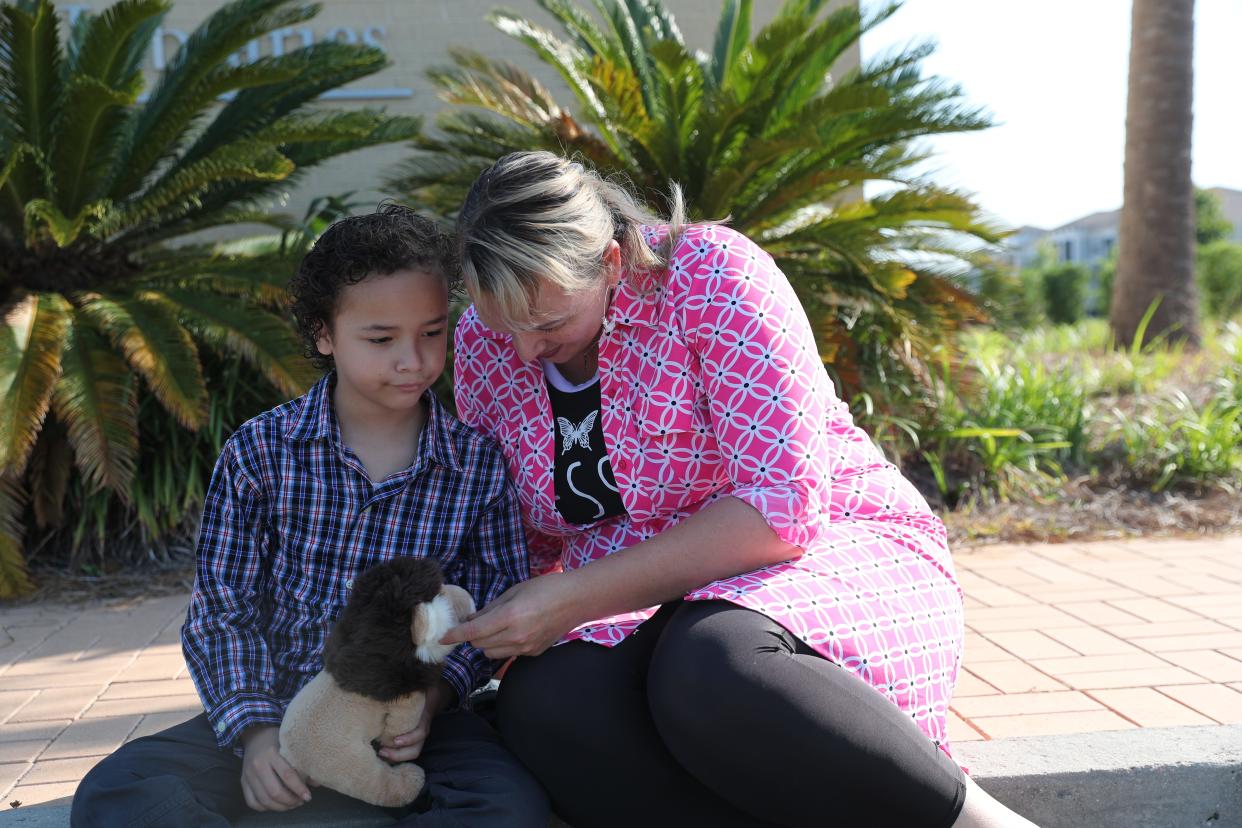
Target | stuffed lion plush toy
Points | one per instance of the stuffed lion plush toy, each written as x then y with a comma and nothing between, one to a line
380,658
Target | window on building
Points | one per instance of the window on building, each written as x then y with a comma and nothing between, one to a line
1068,254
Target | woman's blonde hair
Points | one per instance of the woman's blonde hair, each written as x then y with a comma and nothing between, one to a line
535,217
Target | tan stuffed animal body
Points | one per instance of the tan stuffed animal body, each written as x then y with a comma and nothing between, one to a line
380,659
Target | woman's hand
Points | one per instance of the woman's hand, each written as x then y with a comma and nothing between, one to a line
407,746
268,782
526,620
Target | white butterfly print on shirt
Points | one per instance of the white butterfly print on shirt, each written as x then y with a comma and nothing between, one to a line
580,434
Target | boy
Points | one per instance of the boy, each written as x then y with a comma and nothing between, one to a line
365,467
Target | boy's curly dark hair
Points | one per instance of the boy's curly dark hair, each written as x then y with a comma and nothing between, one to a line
392,238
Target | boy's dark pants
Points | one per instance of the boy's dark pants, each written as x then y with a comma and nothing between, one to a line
179,777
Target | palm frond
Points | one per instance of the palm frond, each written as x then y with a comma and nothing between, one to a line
32,359
30,61
308,127
259,278
45,218
14,576
229,194
115,40
93,114
179,194
206,220
655,22
732,35
635,46
96,401
12,201
193,80
103,76
565,59
263,339
306,74
588,36
804,69
155,345
476,80
51,467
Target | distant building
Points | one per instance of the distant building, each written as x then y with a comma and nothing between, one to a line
416,35
1022,248
1231,205
1089,240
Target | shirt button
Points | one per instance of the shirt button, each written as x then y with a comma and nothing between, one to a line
220,727
349,584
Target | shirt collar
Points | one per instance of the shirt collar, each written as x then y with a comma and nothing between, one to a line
635,305
316,420
640,295
437,436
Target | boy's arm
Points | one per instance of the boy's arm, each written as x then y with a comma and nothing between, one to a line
224,649
494,559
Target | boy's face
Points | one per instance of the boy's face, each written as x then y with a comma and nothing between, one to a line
389,337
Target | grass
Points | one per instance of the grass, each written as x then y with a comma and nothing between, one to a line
1023,415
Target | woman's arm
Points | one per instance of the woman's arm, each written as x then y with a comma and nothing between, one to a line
724,539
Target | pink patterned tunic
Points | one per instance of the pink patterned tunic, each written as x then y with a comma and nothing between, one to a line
711,386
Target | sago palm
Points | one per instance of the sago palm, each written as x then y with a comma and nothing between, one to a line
759,129
102,295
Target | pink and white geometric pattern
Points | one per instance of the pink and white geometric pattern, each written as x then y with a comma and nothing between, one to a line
712,386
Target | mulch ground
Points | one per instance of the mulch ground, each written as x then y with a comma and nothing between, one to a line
1080,513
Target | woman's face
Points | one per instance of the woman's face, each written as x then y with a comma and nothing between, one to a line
563,326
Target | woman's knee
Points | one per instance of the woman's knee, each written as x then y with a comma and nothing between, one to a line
708,663
520,707
537,697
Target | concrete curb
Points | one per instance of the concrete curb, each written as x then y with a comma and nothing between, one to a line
1179,777
1157,778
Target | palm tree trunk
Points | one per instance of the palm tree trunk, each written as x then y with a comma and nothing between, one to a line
1156,256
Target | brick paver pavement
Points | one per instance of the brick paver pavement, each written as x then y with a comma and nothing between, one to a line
1061,639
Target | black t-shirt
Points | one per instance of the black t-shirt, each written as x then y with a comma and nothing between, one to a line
586,491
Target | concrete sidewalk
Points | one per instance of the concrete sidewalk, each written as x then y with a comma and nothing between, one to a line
1063,639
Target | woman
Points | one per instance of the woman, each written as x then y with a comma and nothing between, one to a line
756,616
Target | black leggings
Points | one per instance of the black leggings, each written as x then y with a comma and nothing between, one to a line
711,714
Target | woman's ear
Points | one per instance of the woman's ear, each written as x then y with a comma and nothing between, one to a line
612,263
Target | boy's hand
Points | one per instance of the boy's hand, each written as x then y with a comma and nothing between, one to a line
406,747
268,782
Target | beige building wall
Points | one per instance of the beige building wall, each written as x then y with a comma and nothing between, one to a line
416,34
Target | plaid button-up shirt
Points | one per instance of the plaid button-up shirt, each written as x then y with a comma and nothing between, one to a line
291,518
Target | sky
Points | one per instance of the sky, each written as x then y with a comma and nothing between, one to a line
1053,75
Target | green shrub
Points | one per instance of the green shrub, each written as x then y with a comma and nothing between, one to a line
1211,223
1219,270
174,466
1065,292
1007,427
760,128
1173,441
1100,303
109,299
1013,300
